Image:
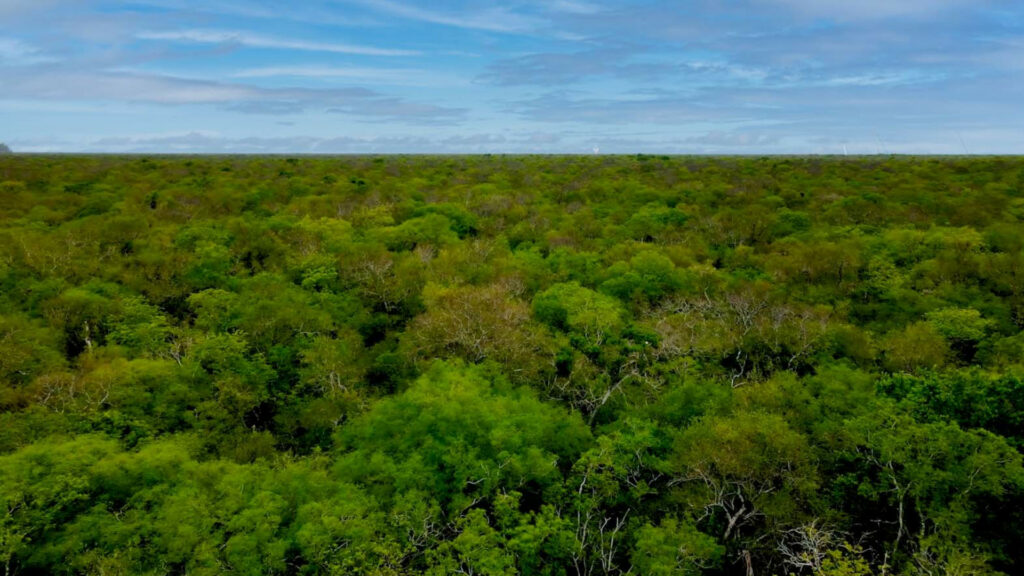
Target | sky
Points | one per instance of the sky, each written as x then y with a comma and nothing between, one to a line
517,76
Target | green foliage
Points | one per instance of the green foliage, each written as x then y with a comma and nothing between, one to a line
140,327
590,317
971,398
511,365
674,548
461,434
918,346
959,325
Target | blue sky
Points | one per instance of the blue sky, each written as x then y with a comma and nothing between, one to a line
524,76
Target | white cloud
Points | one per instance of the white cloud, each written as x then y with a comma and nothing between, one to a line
490,20
17,53
881,78
200,36
168,90
573,7
204,141
307,12
16,7
383,76
68,85
872,9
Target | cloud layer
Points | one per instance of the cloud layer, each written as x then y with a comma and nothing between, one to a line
751,76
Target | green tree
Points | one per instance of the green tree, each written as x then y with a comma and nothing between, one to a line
918,346
589,316
462,434
674,547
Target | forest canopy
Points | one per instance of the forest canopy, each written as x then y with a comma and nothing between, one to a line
499,365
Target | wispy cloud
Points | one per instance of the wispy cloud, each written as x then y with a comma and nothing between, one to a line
16,7
14,52
573,6
247,39
563,68
407,75
492,19
205,141
873,9
882,78
381,76
567,107
305,12
734,139
60,84
632,64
